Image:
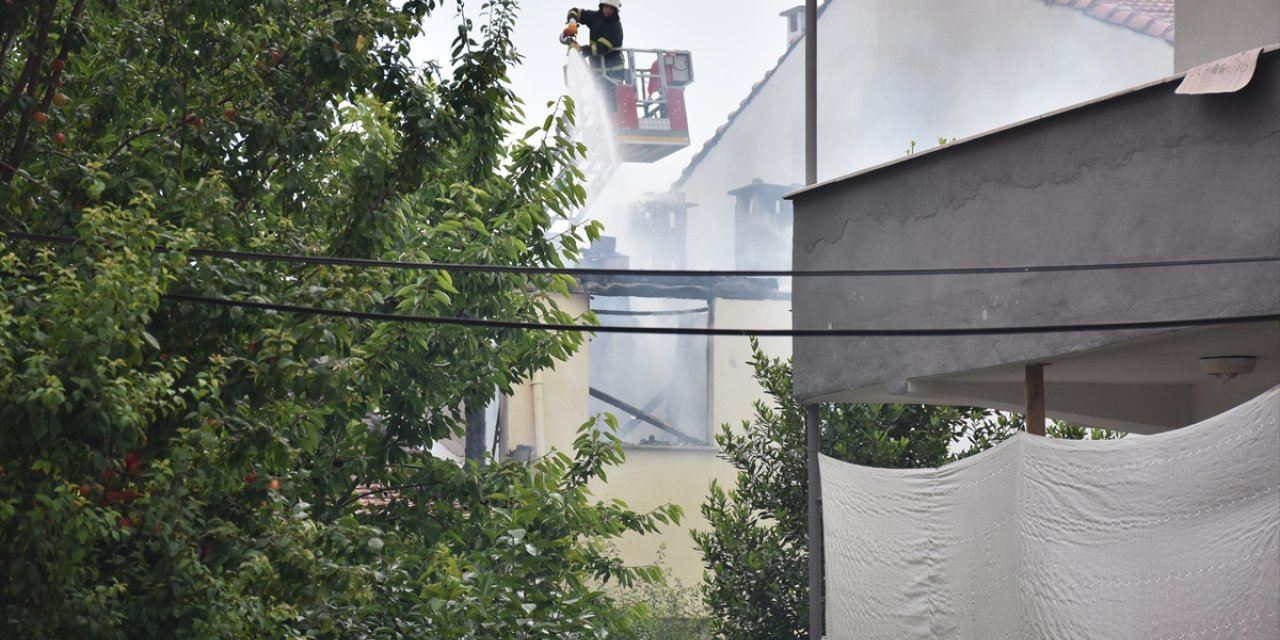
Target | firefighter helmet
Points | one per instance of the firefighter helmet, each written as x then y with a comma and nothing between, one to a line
616,4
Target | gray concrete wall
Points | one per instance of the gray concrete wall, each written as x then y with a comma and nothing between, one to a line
1145,176
1212,29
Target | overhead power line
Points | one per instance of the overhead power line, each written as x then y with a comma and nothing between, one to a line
763,333
666,273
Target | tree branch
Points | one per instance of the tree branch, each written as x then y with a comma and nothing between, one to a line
29,75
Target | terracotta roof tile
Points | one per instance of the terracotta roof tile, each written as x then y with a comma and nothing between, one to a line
1151,17
1138,15
1102,10
1139,21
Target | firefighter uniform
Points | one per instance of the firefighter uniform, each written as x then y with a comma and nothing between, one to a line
606,39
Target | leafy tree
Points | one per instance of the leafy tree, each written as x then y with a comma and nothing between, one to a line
175,468
756,551
1066,431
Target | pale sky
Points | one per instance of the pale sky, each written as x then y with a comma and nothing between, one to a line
732,43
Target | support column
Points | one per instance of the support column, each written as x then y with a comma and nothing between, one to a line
1035,398
817,582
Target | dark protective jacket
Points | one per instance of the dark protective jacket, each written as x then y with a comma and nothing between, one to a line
606,36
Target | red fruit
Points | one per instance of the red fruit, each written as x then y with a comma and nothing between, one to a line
252,347
39,116
274,485
108,475
129,495
164,357
132,468
199,123
132,459
85,489
59,138
230,114
251,478
275,57
212,422
125,522
61,99
57,65
113,496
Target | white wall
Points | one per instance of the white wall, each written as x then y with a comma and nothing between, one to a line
892,71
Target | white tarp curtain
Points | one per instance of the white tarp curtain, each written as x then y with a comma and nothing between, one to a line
1164,537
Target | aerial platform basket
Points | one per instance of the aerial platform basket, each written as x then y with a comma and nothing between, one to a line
648,104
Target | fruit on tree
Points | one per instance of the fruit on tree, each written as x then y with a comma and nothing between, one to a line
132,463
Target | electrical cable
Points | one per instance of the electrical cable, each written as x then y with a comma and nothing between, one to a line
782,333
666,273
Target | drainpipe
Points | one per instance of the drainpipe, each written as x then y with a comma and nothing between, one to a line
539,419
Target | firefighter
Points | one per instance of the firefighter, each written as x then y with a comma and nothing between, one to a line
606,36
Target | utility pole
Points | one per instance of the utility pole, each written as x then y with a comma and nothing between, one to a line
1034,384
812,428
476,427
813,442
810,92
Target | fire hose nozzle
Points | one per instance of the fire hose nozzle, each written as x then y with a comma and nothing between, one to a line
570,34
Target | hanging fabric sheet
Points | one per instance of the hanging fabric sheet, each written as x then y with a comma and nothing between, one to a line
1164,537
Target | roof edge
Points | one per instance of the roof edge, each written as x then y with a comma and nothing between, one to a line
792,195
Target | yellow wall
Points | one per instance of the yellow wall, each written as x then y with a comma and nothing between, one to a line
652,476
